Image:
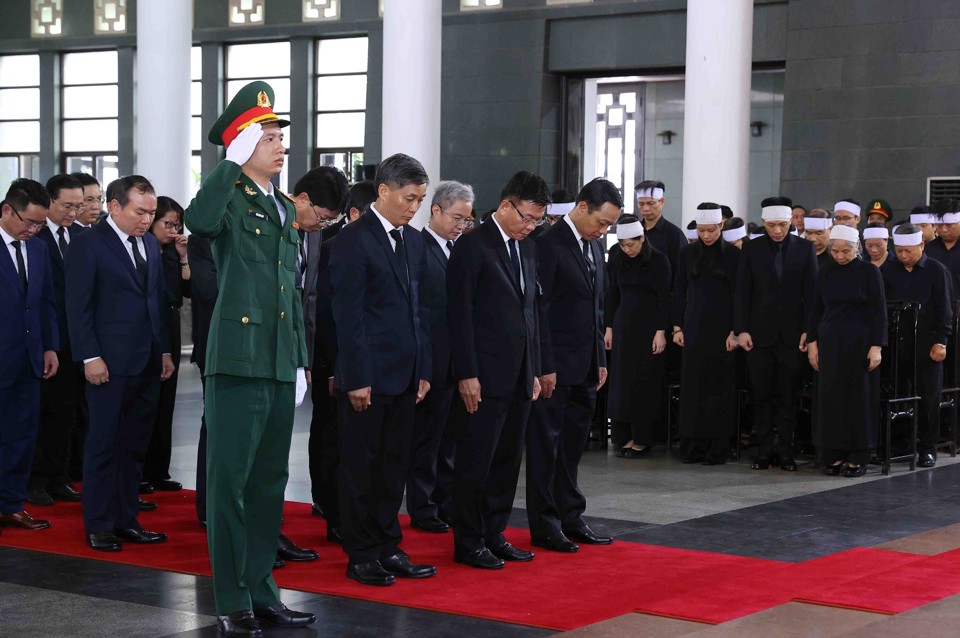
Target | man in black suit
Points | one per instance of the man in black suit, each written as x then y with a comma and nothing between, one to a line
573,363
383,366
492,292
449,211
115,288
28,342
776,281
59,395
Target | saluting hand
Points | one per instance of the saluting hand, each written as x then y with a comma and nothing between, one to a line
360,399
242,147
50,364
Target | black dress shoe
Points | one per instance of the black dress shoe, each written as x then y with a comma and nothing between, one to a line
399,565
140,536
290,552
927,460
146,487
39,496
278,563
65,493
146,506
371,573
433,524
556,542
587,536
788,465
104,542
833,470
316,510
760,464
852,472
239,624
167,485
203,524
282,616
479,558
334,535
506,551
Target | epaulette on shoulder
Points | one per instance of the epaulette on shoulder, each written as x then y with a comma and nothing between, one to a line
288,197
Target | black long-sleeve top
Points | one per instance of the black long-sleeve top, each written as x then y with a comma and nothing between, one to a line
851,295
929,285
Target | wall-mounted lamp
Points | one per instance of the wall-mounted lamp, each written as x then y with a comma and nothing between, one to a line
756,128
667,137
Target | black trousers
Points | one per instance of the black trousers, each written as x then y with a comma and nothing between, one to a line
622,432
486,469
556,437
202,457
323,450
774,378
19,414
929,386
122,412
156,466
374,452
59,397
429,423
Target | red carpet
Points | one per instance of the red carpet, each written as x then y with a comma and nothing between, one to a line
554,591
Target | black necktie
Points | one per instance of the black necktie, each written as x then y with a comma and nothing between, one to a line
400,251
62,240
515,258
591,267
301,260
778,260
139,261
449,246
21,267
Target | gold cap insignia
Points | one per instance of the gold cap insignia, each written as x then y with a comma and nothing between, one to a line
249,191
877,205
263,100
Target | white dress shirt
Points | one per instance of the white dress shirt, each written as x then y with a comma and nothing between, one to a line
506,241
280,209
56,238
124,239
387,227
13,251
579,237
443,242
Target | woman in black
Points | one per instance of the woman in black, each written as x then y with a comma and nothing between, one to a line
167,227
637,317
848,327
703,326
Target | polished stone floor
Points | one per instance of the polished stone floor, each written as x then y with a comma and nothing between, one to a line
654,500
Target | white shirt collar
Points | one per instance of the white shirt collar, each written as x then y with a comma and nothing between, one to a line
387,226
440,240
7,238
506,237
576,233
52,226
122,235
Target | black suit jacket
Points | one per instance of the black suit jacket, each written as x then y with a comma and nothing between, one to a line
110,313
203,294
769,308
435,293
493,325
571,316
26,318
323,355
383,324
59,280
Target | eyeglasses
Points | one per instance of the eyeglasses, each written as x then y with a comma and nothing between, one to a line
76,208
172,226
463,222
93,200
528,221
843,219
29,223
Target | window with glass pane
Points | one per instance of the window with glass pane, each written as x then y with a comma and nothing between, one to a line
19,105
196,98
89,103
341,91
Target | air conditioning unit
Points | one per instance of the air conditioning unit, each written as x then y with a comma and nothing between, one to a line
942,188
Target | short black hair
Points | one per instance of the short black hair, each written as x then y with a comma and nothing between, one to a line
906,229
85,179
627,219
850,200
692,225
23,192
726,211
526,187
362,194
62,181
560,196
708,206
119,189
942,206
921,210
597,192
166,204
803,208
776,201
732,223
400,170
876,225
326,186
650,183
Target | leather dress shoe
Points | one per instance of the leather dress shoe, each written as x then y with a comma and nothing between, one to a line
167,485
146,506
852,472
479,558
23,520
140,536
432,524
334,535
760,464
927,460
316,510
282,616
203,524
506,551
38,495
371,573
278,563
788,465
556,542
104,542
146,487
400,565
833,470
290,552
239,624
65,493
587,536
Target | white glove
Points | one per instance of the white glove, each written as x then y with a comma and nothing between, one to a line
242,147
301,386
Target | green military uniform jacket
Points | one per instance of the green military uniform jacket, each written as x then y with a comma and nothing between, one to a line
257,326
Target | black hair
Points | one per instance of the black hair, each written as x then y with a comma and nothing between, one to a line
942,206
23,192
803,208
650,183
726,211
85,179
875,225
597,192
526,187
777,201
732,223
561,196
62,181
165,205
850,200
921,210
906,229
400,170
326,186
119,189
616,255
362,194
692,225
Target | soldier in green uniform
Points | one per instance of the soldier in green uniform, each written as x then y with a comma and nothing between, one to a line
255,359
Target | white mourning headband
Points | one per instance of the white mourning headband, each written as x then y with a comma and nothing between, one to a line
653,193
734,234
756,235
876,233
817,223
923,218
950,218
691,233
629,231
776,213
850,207
912,239
708,216
560,209
846,233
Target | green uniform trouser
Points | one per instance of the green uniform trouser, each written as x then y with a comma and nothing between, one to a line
249,425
